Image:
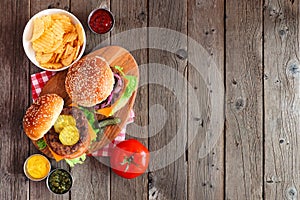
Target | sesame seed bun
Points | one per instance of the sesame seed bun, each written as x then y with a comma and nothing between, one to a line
41,115
89,81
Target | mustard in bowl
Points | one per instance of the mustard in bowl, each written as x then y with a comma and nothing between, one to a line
37,167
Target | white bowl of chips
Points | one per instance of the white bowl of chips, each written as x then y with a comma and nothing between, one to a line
54,39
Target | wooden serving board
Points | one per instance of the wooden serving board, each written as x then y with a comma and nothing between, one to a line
114,55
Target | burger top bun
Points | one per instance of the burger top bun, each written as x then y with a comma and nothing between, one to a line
89,81
41,115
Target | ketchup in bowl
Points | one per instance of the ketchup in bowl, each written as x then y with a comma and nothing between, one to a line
101,21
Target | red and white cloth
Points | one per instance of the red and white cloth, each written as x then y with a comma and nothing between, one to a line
39,80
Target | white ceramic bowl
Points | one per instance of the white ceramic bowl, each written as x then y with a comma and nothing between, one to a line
27,34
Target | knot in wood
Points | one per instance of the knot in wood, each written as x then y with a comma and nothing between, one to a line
293,69
282,32
239,104
142,16
291,193
151,180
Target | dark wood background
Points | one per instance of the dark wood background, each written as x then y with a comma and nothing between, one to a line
255,45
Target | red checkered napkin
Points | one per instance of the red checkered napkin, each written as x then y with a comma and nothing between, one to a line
39,80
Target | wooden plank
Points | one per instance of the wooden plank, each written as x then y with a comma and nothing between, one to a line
244,136
282,90
205,172
93,178
130,15
82,11
167,99
14,74
38,190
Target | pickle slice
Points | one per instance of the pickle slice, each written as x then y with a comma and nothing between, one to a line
69,135
63,121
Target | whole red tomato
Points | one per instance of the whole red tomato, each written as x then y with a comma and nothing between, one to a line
129,159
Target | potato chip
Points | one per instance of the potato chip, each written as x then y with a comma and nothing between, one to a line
53,58
75,43
68,60
60,17
52,65
56,41
80,34
60,49
38,29
70,37
57,29
77,51
58,57
56,45
47,21
44,43
43,57
69,50
68,26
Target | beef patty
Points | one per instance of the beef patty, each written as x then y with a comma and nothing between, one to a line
52,138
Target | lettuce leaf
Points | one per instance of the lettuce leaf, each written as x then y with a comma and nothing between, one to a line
91,119
130,88
41,144
120,69
74,161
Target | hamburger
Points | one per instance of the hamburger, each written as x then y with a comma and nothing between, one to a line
92,82
101,91
61,133
97,91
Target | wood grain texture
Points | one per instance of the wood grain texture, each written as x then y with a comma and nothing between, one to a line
92,180
244,136
206,172
94,177
261,104
282,99
82,11
14,97
167,100
129,15
38,190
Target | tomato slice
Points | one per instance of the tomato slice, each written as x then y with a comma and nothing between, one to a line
129,159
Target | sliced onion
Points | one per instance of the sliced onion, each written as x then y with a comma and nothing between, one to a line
116,90
119,84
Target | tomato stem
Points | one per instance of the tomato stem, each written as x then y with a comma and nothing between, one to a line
128,160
